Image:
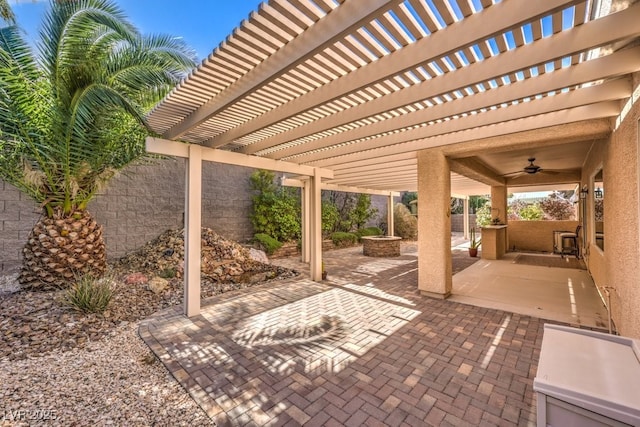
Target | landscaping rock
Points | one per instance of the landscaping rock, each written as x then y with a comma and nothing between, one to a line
258,255
157,285
222,260
136,279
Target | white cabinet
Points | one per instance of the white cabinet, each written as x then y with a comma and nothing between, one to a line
587,378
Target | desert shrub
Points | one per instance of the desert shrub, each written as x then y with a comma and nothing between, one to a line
555,207
531,212
90,294
330,217
361,212
341,239
167,273
405,225
267,243
276,209
369,231
483,215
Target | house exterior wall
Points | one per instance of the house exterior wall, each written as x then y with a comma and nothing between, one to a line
618,265
536,235
139,204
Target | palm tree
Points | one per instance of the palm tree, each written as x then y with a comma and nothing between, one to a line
6,13
71,118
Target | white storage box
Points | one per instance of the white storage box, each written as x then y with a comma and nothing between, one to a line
587,378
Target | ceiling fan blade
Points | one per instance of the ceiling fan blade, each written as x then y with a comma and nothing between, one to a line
514,174
551,171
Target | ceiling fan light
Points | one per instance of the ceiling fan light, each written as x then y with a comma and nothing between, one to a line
531,169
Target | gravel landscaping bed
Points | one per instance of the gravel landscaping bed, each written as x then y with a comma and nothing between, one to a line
79,369
59,366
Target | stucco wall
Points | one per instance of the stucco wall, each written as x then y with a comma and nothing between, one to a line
622,220
536,235
139,204
618,266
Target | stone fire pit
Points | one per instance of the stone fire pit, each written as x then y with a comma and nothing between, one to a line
381,246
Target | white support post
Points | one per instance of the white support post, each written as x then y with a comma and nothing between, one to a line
390,220
465,216
316,226
306,221
193,219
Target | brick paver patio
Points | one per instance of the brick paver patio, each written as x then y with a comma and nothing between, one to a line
363,348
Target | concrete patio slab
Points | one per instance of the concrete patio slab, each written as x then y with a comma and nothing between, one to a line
561,294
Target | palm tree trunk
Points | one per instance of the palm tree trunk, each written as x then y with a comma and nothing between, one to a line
60,248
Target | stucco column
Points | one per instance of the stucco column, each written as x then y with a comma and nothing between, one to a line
192,233
434,225
499,208
499,203
315,229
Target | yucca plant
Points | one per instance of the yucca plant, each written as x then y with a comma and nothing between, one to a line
90,294
71,118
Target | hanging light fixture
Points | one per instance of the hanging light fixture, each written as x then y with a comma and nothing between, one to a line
583,192
598,193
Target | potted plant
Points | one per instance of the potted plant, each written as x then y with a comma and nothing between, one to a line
474,244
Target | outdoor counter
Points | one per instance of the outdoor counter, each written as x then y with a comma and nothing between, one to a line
494,241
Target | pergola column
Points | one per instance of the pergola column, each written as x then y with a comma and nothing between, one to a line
434,225
192,230
315,226
465,216
306,221
390,219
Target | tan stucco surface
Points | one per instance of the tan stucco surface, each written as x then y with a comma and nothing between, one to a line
434,224
619,266
536,235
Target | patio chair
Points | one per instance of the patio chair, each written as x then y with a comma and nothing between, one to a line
570,243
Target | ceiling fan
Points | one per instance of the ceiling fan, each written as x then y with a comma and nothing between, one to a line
530,169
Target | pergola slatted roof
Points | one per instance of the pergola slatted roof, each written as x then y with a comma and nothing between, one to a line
349,85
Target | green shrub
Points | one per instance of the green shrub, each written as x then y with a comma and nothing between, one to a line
361,211
276,209
531,212
341,239
267,243
369,231
405,224
483,215
90,294
167,273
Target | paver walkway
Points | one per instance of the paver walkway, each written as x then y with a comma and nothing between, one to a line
363,348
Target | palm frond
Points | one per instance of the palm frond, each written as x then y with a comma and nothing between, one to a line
73,118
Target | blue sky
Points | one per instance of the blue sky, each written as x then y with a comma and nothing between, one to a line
202,23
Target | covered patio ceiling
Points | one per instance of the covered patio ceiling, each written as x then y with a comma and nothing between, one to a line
358,87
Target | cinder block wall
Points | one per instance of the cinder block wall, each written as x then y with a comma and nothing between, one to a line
18,214
142,202
457,222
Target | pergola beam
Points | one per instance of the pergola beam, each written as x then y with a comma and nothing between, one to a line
491,21
345,19
452,134
178,149
476,170
614,65
291,182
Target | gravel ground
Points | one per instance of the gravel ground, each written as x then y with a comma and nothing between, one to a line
59,367
115,381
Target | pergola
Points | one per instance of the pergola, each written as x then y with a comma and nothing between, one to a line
382,96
